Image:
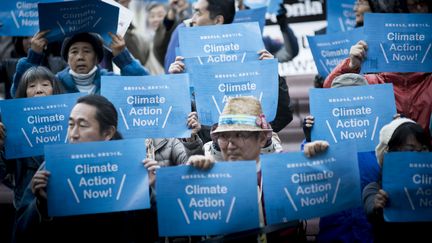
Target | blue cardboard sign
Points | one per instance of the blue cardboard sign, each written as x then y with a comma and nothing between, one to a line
410,195
331,49
68,18
352,114
214,85
217,201
32,123
340,15
297,187
251,15
238,42
398,43
97,177
150,106
20,18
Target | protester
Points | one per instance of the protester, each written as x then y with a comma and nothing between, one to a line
51,60
211,12
93,118
412,90
349,225
141,45
83,52
36,82
283,51
241,133
402,134
178,12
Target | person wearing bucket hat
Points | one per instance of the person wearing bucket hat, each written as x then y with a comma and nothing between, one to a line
400,135
241,133
83,52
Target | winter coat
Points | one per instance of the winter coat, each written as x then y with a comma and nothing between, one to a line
413,91
127,64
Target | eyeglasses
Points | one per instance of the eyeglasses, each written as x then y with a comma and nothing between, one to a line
238,138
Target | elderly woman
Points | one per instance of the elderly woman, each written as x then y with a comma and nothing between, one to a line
83,52
36,82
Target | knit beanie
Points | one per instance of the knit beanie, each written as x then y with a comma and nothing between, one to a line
93,39
386,134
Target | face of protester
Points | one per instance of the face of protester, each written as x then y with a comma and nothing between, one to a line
83,126
411,144
39,87
201,16
82,57
156,16
241,145
360,8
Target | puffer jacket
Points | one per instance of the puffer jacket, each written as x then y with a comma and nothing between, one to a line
172,151
127,64
413,91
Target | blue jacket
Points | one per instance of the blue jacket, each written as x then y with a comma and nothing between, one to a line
127,64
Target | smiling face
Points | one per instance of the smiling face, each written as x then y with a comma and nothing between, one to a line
39,87
82,57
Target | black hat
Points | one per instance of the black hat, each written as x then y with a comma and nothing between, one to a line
94,39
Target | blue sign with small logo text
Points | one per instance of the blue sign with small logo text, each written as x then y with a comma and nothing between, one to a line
207,202
297,187
214,85
97,177
331,49
213,44
150,106
410,197
32,123
65,19
398,43
20,18
340,15
352,114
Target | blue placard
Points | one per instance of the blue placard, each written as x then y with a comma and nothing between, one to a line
150,106
340,15
68,18
297,187
410,197
20,18
97,177
251,15
217,201
32,123
352,114
331,49
398,43
238,42
214,85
